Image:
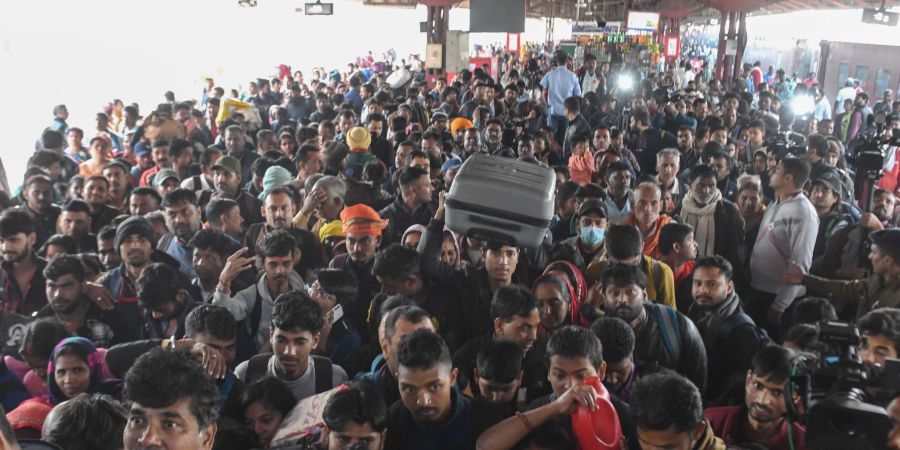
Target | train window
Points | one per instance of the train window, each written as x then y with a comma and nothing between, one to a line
862,74
843,73
882,80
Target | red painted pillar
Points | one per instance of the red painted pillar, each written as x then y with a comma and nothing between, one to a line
720,52
741,45
729,59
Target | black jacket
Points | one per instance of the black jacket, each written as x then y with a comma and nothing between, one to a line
382,150
246,158
440,305
467,420
155,329
652,346
470,286
729,232
729,351
576,127
45,222
400,218
249,206
358,311
649,143
299,108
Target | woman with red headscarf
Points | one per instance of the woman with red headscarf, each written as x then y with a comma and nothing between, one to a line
561,292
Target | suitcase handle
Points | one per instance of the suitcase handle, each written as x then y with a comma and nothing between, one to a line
482,234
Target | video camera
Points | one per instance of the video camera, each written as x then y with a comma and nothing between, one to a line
786,142
866,152
832,388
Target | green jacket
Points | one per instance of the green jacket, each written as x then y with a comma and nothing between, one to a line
870,293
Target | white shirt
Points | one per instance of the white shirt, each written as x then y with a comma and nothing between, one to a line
822,109
844,94
588,84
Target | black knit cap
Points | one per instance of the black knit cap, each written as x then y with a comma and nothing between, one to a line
135,225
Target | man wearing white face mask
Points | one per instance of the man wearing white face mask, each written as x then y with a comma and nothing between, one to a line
590,234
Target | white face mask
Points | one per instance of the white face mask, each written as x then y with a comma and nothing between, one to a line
474,256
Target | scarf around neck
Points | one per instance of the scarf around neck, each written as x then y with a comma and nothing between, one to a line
709,319
703,219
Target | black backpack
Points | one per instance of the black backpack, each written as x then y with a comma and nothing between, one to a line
738,319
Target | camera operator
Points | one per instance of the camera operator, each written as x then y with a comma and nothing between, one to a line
880,331
847,252
881,289
762,418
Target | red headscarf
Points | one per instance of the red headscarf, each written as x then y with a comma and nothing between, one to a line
578,288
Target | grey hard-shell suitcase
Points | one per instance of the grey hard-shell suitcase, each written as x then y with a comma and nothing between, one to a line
501,199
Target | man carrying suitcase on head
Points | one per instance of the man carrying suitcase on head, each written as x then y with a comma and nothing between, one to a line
473,287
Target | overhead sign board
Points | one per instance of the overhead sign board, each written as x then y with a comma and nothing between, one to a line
879,17
642,20
673,46
584,27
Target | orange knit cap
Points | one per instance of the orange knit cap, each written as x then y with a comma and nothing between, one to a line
362,219
460,123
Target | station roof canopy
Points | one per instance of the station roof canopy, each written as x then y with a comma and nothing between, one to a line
615,9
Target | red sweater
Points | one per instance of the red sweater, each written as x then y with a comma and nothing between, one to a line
728,422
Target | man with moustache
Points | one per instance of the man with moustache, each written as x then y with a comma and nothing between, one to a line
211,249
278,209
846,254
761,420
75,221
183,221
38,194
690,154
164,297
730,336
294,332
68,303
21,270
717,222
432,411
363,228
228,178
256,302
134,242
664,337
96,195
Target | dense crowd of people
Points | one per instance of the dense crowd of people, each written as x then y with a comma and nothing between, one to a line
185,279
